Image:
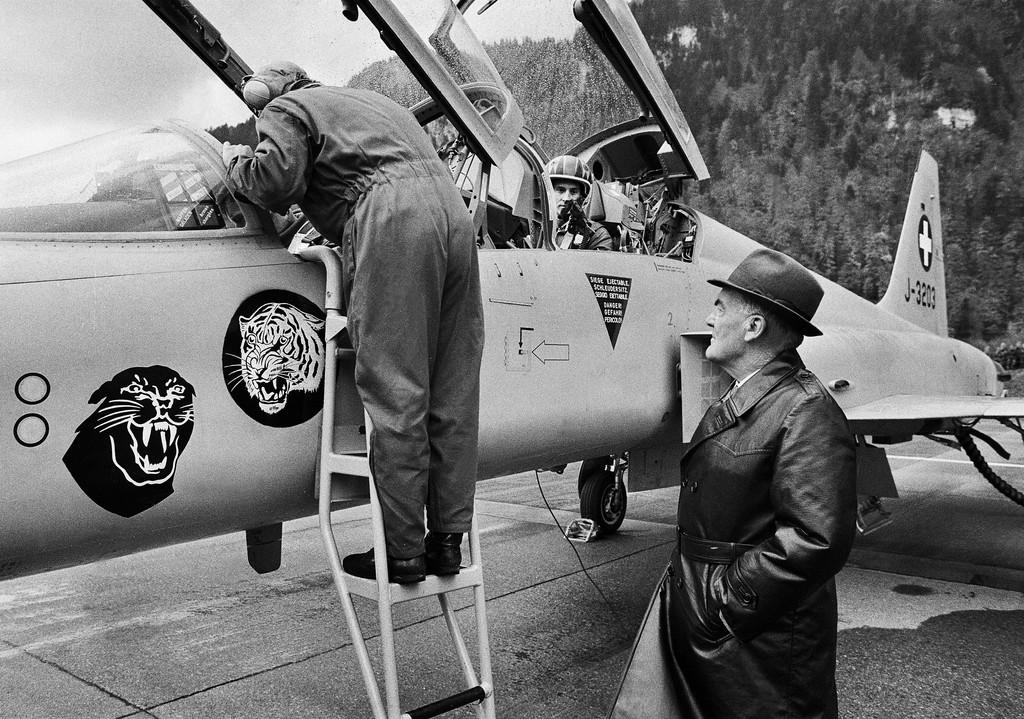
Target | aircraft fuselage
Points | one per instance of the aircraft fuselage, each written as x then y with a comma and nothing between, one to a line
580,360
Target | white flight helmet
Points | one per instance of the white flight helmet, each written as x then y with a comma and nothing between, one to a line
573,169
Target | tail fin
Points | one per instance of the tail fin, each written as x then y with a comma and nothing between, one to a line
917,288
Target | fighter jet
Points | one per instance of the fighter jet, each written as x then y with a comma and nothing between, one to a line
164,339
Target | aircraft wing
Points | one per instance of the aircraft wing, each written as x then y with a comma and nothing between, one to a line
909,414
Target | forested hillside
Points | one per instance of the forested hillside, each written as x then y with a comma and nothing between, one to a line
811,115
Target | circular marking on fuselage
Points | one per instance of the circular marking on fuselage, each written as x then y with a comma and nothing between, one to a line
31,430
273,358
32,388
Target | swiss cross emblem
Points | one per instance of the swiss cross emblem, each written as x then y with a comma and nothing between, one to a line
924,242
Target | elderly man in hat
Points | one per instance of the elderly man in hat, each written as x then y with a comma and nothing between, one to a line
747,611
366,175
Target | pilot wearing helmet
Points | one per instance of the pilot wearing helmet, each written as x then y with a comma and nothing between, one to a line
369,180
571,180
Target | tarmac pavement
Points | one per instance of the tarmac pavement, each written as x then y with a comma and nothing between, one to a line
191,631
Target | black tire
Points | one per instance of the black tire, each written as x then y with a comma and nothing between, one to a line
590,467
600,501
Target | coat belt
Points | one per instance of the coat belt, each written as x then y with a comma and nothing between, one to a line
706,550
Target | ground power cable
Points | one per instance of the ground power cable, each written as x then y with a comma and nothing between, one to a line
964,436
579,559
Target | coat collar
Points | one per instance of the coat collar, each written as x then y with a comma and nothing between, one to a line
777,369
724,413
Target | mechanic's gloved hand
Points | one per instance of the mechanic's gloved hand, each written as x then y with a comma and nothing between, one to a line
229,152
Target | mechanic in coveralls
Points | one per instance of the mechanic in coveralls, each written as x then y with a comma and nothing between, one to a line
367,177
571,181
744,622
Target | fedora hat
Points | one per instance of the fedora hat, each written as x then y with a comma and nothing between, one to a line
781,282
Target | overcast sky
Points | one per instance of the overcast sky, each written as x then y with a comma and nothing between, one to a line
76,69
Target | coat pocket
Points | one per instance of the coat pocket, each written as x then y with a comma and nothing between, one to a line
716,596
696,589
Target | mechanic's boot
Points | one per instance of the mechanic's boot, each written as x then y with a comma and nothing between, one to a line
400,571
444,553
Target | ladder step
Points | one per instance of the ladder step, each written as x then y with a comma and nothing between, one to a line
471,576
476,694
356,465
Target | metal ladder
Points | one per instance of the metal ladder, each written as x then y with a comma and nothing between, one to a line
344,478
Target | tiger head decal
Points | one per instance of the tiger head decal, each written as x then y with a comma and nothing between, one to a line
273,358
281,353
126,452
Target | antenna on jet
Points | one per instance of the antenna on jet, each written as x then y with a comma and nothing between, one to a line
486,5
350,10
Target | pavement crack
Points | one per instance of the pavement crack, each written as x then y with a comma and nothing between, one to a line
136,709
244,677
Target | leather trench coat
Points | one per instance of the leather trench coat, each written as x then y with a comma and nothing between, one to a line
766,518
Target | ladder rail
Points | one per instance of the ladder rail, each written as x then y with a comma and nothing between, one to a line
468,673
460,644
355,632
483,637
335,323
384,601
327,529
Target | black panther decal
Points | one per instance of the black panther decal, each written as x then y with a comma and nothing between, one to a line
125,454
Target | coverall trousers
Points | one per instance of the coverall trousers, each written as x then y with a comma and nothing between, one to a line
412,289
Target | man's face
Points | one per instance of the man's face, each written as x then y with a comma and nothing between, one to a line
728,323
565,191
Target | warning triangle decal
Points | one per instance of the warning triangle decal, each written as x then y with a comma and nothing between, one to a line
612,294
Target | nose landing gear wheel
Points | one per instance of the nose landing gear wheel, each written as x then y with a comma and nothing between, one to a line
602,498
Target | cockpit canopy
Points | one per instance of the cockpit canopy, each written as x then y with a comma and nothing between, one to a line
433,39
141,179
